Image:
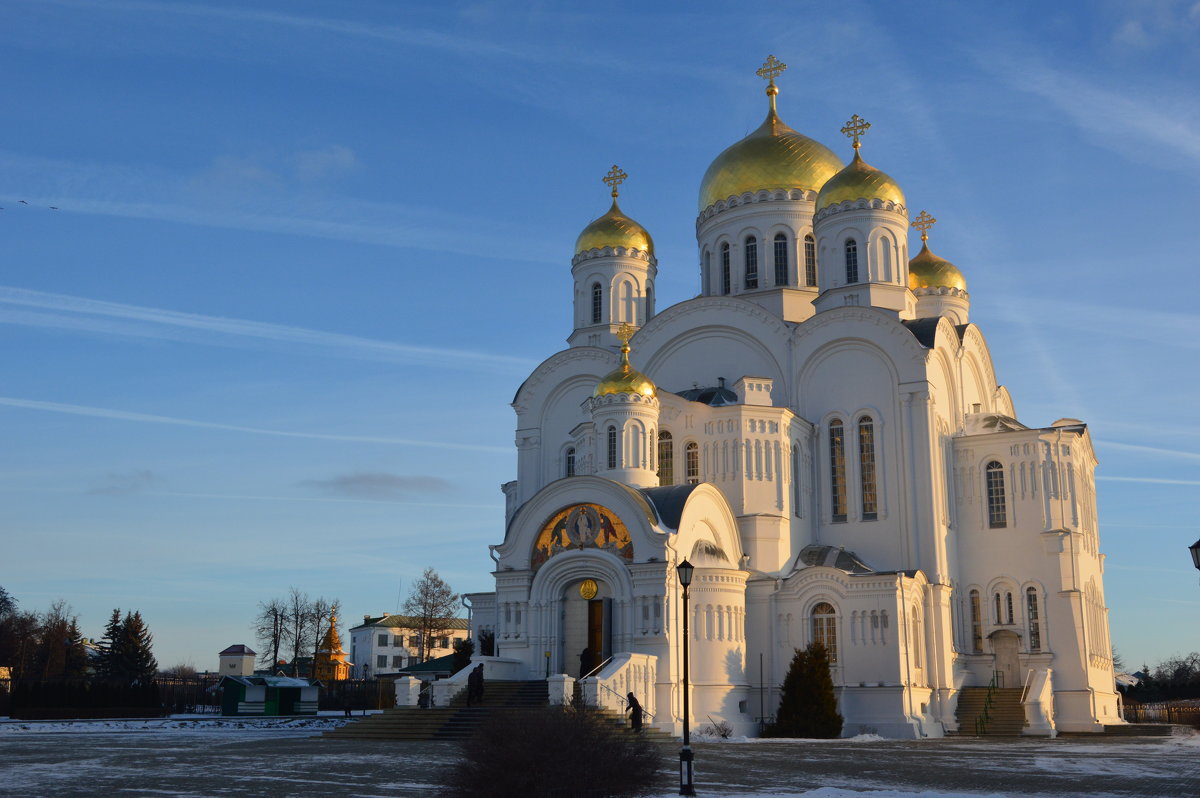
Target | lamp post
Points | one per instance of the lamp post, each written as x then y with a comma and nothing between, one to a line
684,569
1194,549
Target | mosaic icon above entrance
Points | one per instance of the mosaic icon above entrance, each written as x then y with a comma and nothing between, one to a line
582,526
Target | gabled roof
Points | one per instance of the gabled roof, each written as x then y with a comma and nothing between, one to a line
407,622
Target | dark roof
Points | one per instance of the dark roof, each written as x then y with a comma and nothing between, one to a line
832,557
668,502
436,665
713,396
407,622
925,330
238,650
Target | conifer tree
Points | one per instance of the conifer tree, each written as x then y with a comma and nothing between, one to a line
76,664
110,646
807,705
136,659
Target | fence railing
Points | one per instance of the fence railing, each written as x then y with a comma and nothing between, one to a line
1184,714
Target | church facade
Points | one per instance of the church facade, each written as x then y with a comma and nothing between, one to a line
821,433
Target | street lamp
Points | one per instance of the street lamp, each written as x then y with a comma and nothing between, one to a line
684,569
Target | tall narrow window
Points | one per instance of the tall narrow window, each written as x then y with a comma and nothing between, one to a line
810,261
837,470
1008,606
796,480
885,247
726,283
649,313
851,260
706,277
999,617
976,623
824,629
612,447
751,263
1031,611
597,303
918,639
781,259
571,462
666,459
691,463
866,468
997,512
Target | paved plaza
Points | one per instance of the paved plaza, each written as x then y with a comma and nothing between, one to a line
231,762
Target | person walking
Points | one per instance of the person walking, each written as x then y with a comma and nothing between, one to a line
635,712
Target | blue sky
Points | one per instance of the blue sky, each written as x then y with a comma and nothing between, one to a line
305,252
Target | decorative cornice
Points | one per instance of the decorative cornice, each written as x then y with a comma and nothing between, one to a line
861,204
749,198
940,291
614,252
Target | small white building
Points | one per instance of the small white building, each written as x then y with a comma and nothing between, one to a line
237,660
386,645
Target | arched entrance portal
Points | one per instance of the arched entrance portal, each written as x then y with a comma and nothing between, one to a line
586,626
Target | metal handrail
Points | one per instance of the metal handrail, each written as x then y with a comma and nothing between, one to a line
594,670
624,702
1025,689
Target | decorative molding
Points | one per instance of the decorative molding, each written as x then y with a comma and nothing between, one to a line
750,198
861,204
614,252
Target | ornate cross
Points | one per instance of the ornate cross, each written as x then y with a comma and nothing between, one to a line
614,178
772,69
855,128
624,333
923,222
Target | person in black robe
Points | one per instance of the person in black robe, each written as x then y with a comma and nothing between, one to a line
635,712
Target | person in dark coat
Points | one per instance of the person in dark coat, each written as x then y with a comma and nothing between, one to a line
586,662
635,712
475,685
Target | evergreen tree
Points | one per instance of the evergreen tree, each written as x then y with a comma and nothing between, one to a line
136,661
110,646
807,705
463,651
76,665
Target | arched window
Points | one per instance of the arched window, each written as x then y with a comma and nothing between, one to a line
726,284
781,259
706,277
866,468
976,623
918,639
612,447
885,246
597,303
666,459
691,463
628,304
810,261
570,462
649,303
824,629
997,512
751,262
1031,612
1008,606
851,260
796,485
837,471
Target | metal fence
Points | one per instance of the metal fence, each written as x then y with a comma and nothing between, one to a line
1183,714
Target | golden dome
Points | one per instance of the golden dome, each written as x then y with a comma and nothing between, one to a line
774,156
625,378
614,229
858,181
927,270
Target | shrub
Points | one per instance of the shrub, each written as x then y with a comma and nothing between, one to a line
554,752
808,706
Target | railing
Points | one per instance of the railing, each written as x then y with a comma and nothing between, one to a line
595,670
981,722
625,702
621,674
1167,712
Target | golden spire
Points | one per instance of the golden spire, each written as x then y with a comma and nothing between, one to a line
855,128
614,178
923,222
771,69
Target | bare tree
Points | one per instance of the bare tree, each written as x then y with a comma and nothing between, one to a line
269,628
298,624
431,607
322,611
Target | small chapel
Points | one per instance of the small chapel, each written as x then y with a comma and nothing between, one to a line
821,433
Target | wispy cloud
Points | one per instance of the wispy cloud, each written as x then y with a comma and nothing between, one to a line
145,418
1154,450
1150,480
378,485
120,484
61,311
1162,327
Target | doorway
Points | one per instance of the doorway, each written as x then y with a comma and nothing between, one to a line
1006,647
586,628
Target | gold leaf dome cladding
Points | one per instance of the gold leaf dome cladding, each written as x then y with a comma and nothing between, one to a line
625,378
614,229
858,181
927,270
774,156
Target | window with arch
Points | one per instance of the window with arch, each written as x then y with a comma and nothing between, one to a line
997,511
918,639
976,623
751,251
570,458
837,470
1031,612
866,468
851,260
810,261
796,485
597,303
666,458
649,313
885,246
1008,606
726,283
691,463
706,272
781,259
824,629
612,447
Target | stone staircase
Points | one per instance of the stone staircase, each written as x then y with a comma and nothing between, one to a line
1005,717
458,721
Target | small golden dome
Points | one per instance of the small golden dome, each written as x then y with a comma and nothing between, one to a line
858,181
927,270
614,229
625,378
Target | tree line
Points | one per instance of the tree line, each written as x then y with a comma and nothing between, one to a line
293,625
1174,679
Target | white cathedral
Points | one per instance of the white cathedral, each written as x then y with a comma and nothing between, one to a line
822,435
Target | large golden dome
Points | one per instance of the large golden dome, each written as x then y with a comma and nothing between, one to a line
614,229
858,181
774,156
625,378
927,270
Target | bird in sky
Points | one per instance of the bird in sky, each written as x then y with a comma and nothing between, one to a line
51,207
23,202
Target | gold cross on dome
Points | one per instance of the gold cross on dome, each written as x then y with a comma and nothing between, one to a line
771,69
624,333
614,178
923,222
855,128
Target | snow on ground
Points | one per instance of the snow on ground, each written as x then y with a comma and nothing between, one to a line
183,724
838,792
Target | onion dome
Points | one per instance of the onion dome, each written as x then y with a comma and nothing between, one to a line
928,271
772,157
614,229
625,378
859,180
